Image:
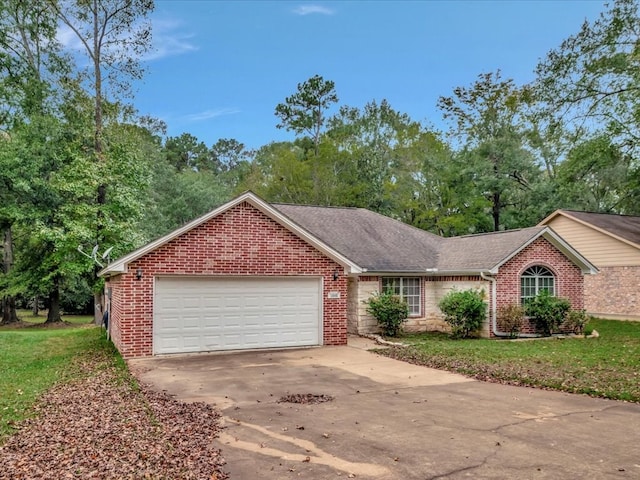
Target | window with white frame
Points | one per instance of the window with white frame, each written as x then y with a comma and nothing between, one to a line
534,280
407,288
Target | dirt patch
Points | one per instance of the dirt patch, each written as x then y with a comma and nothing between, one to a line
103,426
305,398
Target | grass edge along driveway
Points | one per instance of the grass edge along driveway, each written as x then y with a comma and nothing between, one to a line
607,366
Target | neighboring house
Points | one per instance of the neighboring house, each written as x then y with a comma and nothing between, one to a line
251,274
612,244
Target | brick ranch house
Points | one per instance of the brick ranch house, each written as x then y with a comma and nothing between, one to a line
250,274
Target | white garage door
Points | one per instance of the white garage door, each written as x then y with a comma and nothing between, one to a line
200,314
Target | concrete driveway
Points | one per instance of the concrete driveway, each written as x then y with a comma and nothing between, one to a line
392,420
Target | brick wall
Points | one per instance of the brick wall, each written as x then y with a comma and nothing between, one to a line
240,241
569,279
614,292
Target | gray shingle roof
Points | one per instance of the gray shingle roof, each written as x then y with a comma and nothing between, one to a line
382,244
371,240
623,226
483,251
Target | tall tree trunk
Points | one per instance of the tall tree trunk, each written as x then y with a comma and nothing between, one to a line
9,314
54,303
496,211
35,309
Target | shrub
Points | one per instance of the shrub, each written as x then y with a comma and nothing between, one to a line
389,311
510,319
547,312
464,311
576,321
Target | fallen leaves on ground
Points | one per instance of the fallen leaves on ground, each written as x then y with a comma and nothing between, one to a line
103,426
305,398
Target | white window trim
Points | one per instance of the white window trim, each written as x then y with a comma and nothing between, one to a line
419,295
537,277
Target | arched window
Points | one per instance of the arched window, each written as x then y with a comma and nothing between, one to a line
534,280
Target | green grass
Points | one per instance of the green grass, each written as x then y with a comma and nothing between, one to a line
607,366
28,317
34,359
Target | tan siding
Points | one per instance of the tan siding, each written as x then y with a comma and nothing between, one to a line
598,248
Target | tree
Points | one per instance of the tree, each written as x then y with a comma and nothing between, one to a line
487,124
186,152
305,111
375,138
596,176
114,35
30,60
592,81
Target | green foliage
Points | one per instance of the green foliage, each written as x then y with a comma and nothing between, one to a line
547,311
606,366
389,311
305,110
510,319
33,360
464,311
487,121
590,82
576,321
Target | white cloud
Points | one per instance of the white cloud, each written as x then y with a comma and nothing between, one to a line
68,39
168,41
313,9
208,114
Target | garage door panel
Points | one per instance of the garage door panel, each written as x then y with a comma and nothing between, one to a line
194,314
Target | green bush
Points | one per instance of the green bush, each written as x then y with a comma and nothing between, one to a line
510,319
464,311
576,321
547,312
389,311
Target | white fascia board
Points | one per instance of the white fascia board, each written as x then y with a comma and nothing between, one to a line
120,265
559,243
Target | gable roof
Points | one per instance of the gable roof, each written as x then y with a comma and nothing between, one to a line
120,265
489,251
365,241
383,245
621,227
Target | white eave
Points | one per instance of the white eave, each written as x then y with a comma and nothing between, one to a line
552,237
120,265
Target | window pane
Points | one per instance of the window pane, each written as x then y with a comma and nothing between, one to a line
408,288
535,280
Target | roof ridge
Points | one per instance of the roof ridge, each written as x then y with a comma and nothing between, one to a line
511,230
317,206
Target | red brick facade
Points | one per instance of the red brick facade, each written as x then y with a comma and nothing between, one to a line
240,241
569,279
614,293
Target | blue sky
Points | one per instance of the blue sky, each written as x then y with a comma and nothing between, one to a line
220,67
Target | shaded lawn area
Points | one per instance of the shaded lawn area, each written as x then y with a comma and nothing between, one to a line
69,408
34,359
607,366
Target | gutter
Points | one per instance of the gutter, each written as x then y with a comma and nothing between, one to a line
493,312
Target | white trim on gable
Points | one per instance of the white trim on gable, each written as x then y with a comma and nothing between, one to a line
552,237
568,215
120,265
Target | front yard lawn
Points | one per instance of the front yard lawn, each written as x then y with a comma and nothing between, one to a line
607,366
69,408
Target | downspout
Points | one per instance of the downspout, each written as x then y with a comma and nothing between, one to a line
494,309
